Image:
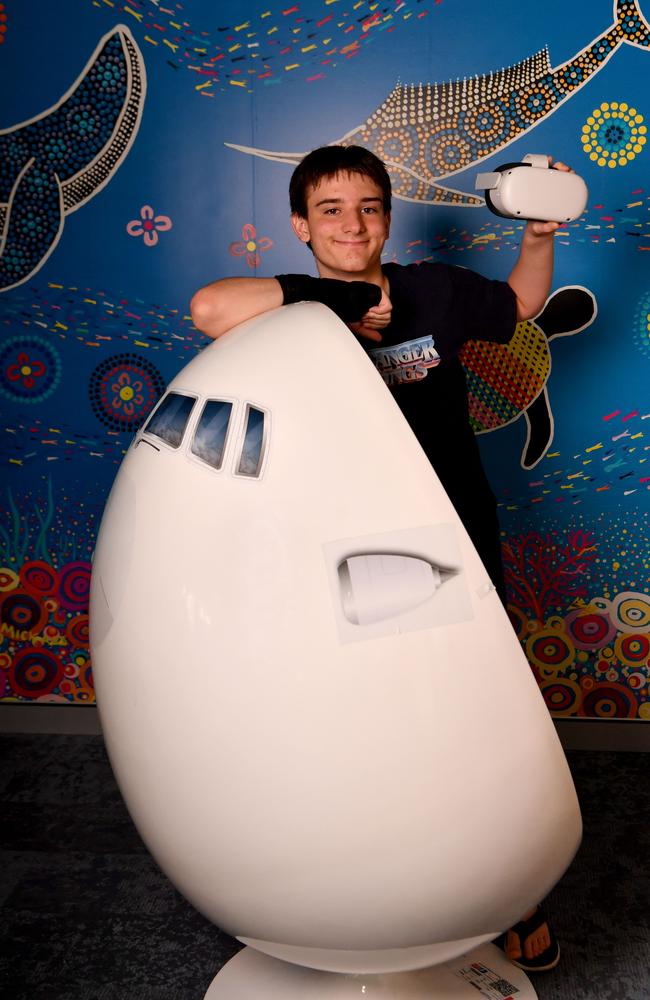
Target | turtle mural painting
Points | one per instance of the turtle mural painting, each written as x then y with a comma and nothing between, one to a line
505,381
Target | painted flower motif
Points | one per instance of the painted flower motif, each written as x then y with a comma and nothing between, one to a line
250,245
149,225
30,368
26,371
127,393
142,378
613,134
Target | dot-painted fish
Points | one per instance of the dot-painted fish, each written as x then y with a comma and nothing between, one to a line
427,132
55,163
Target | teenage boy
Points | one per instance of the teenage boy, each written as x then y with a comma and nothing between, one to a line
340,199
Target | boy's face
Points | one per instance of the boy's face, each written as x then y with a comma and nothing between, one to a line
347,227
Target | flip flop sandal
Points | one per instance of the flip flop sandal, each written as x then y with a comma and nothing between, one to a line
548,958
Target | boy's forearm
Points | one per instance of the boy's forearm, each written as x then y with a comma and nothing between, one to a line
220,306
531,277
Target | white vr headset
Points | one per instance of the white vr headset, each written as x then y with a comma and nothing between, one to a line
531,190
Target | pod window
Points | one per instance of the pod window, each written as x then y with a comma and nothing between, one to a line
170,419
254,444
209,441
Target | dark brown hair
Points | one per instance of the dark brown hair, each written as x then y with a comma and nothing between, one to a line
328,161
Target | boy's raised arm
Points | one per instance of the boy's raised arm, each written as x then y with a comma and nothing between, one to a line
531,277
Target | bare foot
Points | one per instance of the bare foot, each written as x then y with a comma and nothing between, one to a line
533,945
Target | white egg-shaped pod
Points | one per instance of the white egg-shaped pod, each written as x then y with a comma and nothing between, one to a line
316,708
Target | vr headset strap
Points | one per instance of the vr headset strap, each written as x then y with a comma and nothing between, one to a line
536,160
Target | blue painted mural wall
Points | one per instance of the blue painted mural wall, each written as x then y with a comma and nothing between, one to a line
121,193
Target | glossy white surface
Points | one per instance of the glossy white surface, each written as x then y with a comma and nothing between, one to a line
252,976
394,786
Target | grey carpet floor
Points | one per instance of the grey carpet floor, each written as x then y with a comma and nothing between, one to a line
86,914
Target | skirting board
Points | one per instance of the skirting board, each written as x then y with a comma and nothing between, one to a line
575,734
73,720
632,735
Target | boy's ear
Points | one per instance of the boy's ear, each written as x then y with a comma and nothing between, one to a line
388,225
300,227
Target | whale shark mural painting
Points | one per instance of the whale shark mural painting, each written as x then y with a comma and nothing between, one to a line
54,163
428,132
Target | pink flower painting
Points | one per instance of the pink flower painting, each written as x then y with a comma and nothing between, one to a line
250,246
149,225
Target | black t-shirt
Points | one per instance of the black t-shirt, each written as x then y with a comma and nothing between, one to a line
436,308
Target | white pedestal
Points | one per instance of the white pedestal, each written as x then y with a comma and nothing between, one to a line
484,973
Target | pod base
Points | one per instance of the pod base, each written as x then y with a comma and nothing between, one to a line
484,972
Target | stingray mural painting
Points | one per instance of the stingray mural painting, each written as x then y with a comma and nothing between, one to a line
55,163
428,132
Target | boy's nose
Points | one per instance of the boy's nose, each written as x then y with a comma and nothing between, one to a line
354,222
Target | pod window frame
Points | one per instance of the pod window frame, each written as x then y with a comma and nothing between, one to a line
232,416
262,456
188,421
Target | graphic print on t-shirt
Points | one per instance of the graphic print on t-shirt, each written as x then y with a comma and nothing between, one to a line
406,362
